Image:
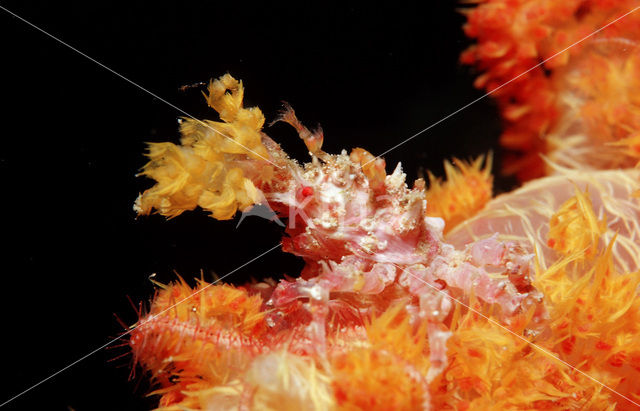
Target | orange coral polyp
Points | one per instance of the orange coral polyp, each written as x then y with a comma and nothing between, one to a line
575,228
467,189
549,45
394,364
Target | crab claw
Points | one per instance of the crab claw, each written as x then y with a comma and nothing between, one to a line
372,167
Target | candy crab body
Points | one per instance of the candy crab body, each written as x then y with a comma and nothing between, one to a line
366,239
357,228
358,240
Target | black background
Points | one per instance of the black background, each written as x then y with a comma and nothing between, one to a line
73,136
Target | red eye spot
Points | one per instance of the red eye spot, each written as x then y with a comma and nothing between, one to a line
601,345
618,359
568,343
307,191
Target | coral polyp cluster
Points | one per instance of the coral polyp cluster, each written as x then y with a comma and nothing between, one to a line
565,75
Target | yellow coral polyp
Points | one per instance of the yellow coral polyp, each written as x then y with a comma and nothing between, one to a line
594,309
575,227
598,306
288,382
392,330
491,367
366,378
389,372
205,169
467,189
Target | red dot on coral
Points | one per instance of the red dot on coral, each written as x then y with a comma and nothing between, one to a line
601,345
618,359
567,344
307,191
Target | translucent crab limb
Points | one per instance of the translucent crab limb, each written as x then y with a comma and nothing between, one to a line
351,275
494,271
313,140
